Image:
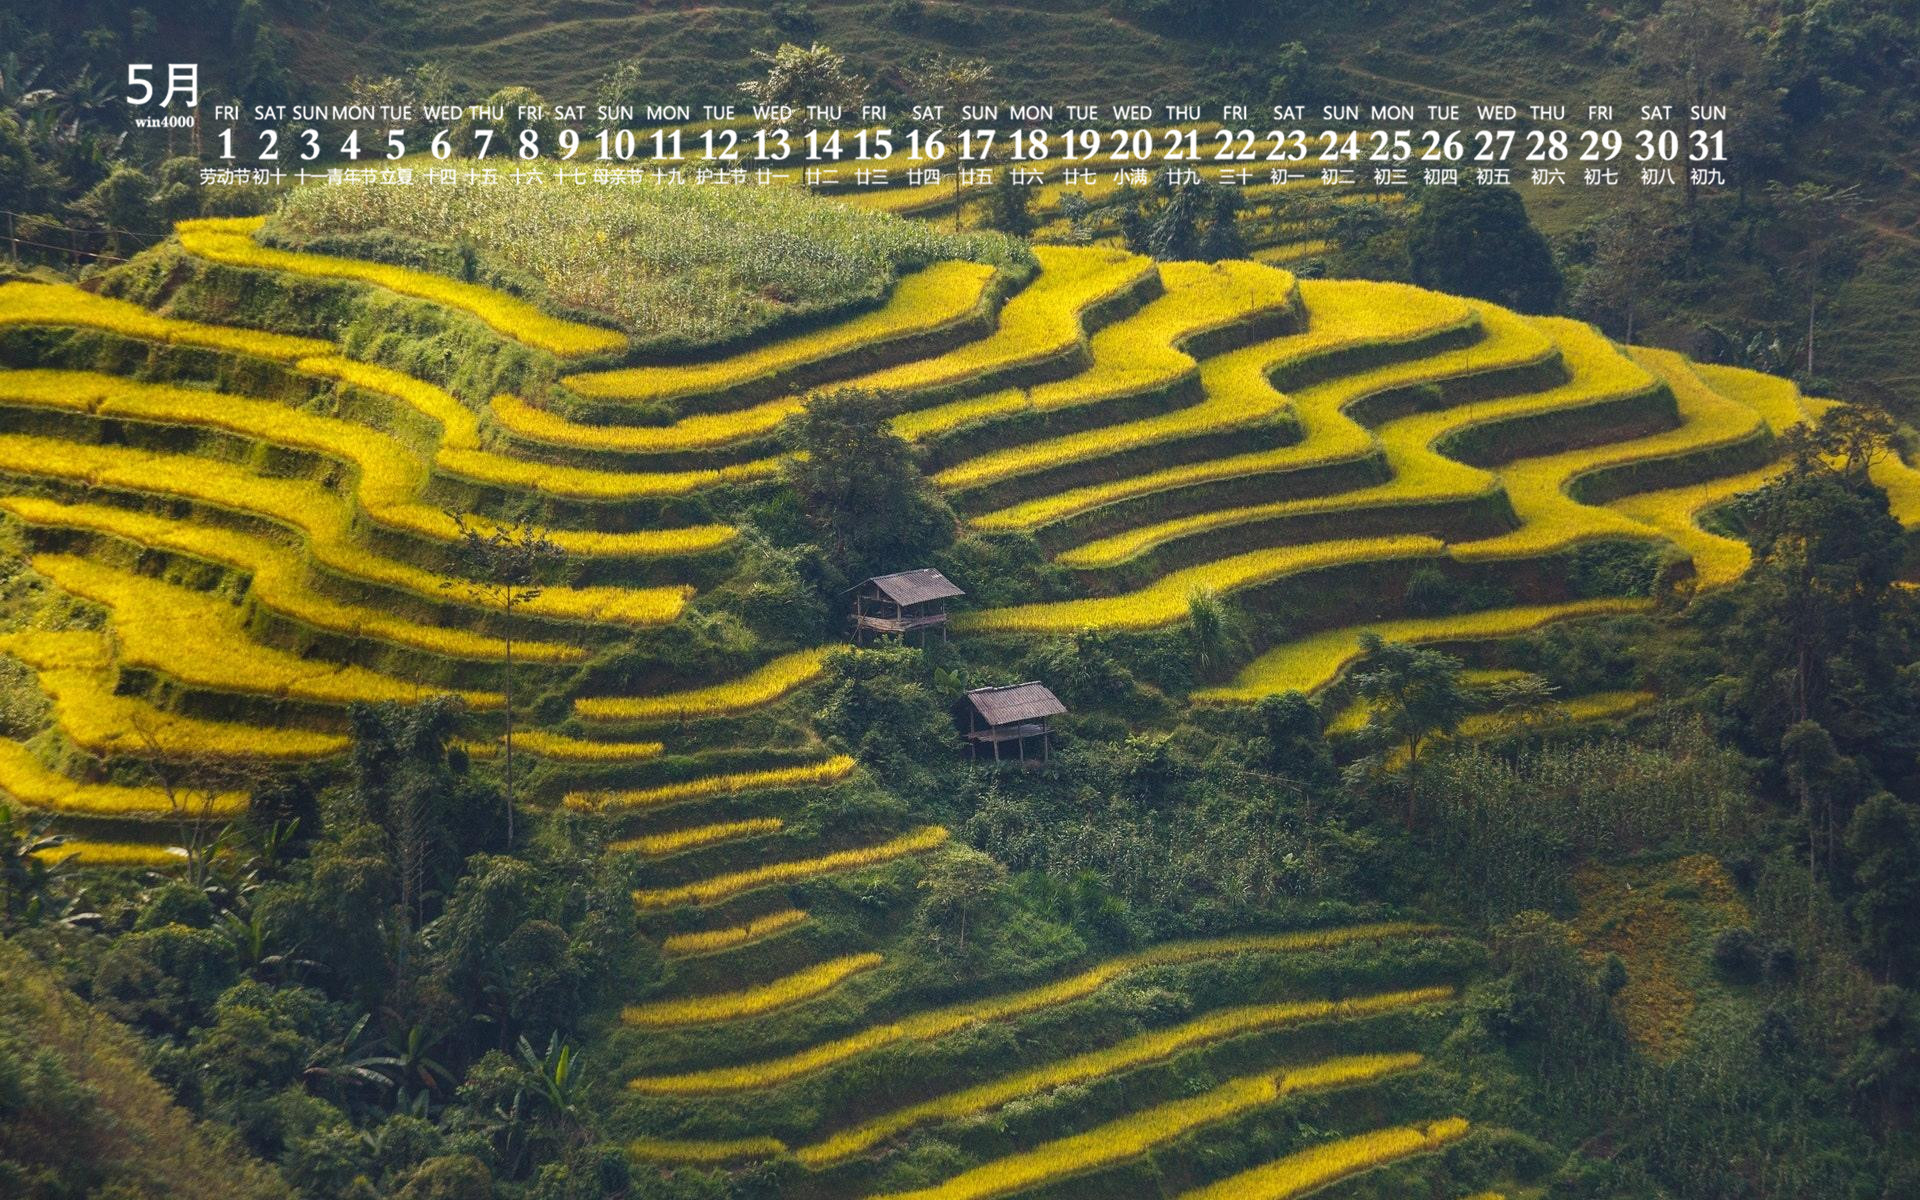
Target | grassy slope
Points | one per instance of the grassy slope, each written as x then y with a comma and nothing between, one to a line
1450,51
135,1137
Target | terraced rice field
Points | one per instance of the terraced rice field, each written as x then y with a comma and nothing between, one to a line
247,562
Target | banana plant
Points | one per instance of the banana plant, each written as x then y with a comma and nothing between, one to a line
558,1082
344,1065
413,1059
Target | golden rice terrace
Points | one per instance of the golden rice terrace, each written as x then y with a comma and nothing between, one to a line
252,516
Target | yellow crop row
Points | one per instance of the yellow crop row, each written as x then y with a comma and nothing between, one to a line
698,431
1675,512
1312,662
561,748
1594,706
1331,437
29,783
1550,519
48,304
1156,1046
1355,716
86,852
1138,353
802,985
1138,1133
74,668
827,771
1237,388
64,304
1042,321
1288,252
459,452
230,240
761,686
1902,485
389,475
720,887
1311,1169
657,845
312,510
1419,474
583,483
937,1023
1341,315
1166,600
202,641
1777,400
278,579
921,302
709,941
459,428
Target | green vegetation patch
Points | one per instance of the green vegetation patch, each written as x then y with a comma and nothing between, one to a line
676,266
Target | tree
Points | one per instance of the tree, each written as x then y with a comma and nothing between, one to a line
1222,238
943,85
1820,213
197,787
1297,77
26,183
1218,638
1008,205
122,205
1175,234
1477,241
805,80
1415,695
1884,840
1811,763
1632,252
506,563
625,84
1812,616
858,485
1526,701
958,885
433,814
1700,48
878,705
520,104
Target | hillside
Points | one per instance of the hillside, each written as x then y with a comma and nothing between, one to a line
80,1115
261,490
1720,277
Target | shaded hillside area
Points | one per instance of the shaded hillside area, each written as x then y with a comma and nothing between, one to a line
80,1116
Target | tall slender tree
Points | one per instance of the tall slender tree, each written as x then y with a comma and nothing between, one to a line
506,564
